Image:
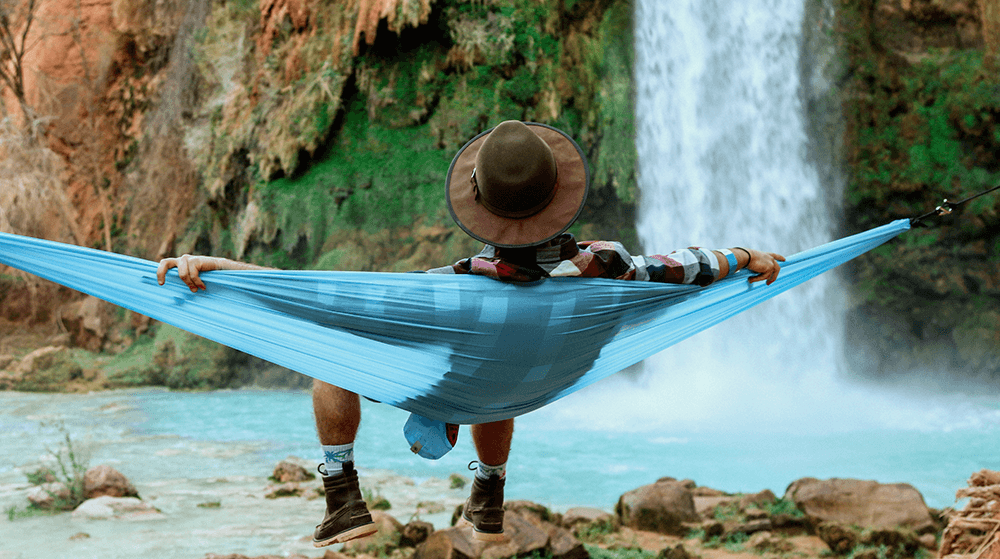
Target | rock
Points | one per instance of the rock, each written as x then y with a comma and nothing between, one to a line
929,541
536,513
766,542
526,534
899,542
661,507
840,539
749,528
712,529
867,554
290,489
562,543
106,508
104,480
788,522
585,515
708,492
47,368
88,321
49,495
676,552
705,505
524,538
380,543
867,504
415,533
451,543
756,514
757,500
287,470
329,555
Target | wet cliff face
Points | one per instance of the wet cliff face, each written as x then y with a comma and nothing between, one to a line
922,118
171,117
301,133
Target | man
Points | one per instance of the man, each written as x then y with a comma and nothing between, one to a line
516,188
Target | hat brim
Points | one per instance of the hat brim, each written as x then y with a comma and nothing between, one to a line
572,183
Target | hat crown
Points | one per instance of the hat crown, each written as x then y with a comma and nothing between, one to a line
515,171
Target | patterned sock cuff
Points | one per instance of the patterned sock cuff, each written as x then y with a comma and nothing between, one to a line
485,471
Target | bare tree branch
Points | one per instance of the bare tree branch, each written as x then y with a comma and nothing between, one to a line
16,18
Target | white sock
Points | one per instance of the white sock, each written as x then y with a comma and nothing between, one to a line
334,456
484,471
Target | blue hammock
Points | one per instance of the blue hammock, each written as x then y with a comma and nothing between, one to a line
452,348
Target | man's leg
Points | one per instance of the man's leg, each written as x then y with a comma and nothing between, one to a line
338,415
484,508
493,440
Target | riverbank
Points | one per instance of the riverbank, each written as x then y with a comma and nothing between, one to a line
203,458
251,516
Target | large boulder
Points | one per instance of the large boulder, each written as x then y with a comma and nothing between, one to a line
867,504
527,533
104,480
664,507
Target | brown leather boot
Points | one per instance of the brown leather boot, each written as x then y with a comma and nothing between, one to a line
347,516
484,509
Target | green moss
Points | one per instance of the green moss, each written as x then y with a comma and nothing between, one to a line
925,131
172,358
616,160
596,552
134,366
371,178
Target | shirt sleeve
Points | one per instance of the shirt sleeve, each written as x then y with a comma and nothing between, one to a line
689,265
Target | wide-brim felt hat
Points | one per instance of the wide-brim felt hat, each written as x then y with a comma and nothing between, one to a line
517,184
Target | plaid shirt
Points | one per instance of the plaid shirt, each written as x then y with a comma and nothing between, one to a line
564,257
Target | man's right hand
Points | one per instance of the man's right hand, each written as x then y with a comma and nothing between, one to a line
188,268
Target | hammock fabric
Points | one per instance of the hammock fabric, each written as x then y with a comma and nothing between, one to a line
452,348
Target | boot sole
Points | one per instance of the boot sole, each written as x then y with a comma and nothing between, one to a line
482,536
353,534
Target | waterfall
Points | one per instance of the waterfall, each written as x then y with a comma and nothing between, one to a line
725,160
723,163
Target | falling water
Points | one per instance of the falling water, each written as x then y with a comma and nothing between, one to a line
723,162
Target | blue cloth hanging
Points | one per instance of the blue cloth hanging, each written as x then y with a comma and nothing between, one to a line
457,349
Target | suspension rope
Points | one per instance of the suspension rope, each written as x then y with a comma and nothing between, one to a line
947,207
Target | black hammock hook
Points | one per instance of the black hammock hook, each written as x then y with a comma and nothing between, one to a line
947,207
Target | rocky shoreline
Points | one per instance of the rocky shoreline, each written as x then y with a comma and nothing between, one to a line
668,519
